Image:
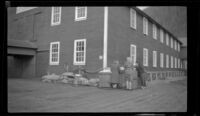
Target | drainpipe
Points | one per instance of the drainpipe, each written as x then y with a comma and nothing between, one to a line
105,37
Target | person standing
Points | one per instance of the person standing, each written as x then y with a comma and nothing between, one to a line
141,74
128,73
115,68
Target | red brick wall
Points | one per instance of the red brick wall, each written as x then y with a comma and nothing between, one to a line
121,35
37,28
68,31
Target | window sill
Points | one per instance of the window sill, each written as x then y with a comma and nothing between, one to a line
55,24
79,63
80,19
54,64
134,28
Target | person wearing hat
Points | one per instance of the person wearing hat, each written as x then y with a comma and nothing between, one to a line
128,72
115,69
141,74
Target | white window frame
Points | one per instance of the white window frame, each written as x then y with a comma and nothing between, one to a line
50,53
181,63
133,56
167,61
76,14
154,58
161,36
175,62
145,26
172,42
75,51
167,39
59,16
154,31
178,47
178,62
145,57
161,60
172,62
175,45
133,18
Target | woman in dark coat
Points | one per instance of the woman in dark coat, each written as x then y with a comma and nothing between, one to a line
115,68
141,73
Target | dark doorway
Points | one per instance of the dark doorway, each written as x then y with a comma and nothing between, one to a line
20,66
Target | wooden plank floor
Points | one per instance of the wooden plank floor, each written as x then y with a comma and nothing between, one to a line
25,95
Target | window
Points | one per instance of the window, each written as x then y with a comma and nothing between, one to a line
54,53
154,59
145,26
154,31
133,18
167,39
161,36
172,42
167,61
161,60
80,13
79,51
178,63
55,16
175,62
181,64
145,57
171,61
133,53
175,47
178,46
23,9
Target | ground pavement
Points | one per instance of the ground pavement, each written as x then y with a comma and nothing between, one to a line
28,95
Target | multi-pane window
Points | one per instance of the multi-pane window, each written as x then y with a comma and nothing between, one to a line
154,31
145,26
178,63
54,53
167,61
80,13
161,36
161,60
167,39
172,42
55,16
133,18
181,63
172,61
79,52
175,45
175,62
133,53
178,47
145,57
154,59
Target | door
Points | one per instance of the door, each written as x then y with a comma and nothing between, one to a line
14,67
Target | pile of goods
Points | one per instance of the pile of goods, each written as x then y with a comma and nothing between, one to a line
70,78
51,78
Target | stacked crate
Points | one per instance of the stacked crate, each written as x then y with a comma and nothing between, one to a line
104,79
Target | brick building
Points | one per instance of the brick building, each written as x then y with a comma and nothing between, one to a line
43,39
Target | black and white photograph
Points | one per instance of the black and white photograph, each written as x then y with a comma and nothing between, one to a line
96,59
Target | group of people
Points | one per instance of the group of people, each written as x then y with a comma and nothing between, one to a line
129,76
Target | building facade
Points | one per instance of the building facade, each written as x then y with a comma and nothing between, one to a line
43,39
